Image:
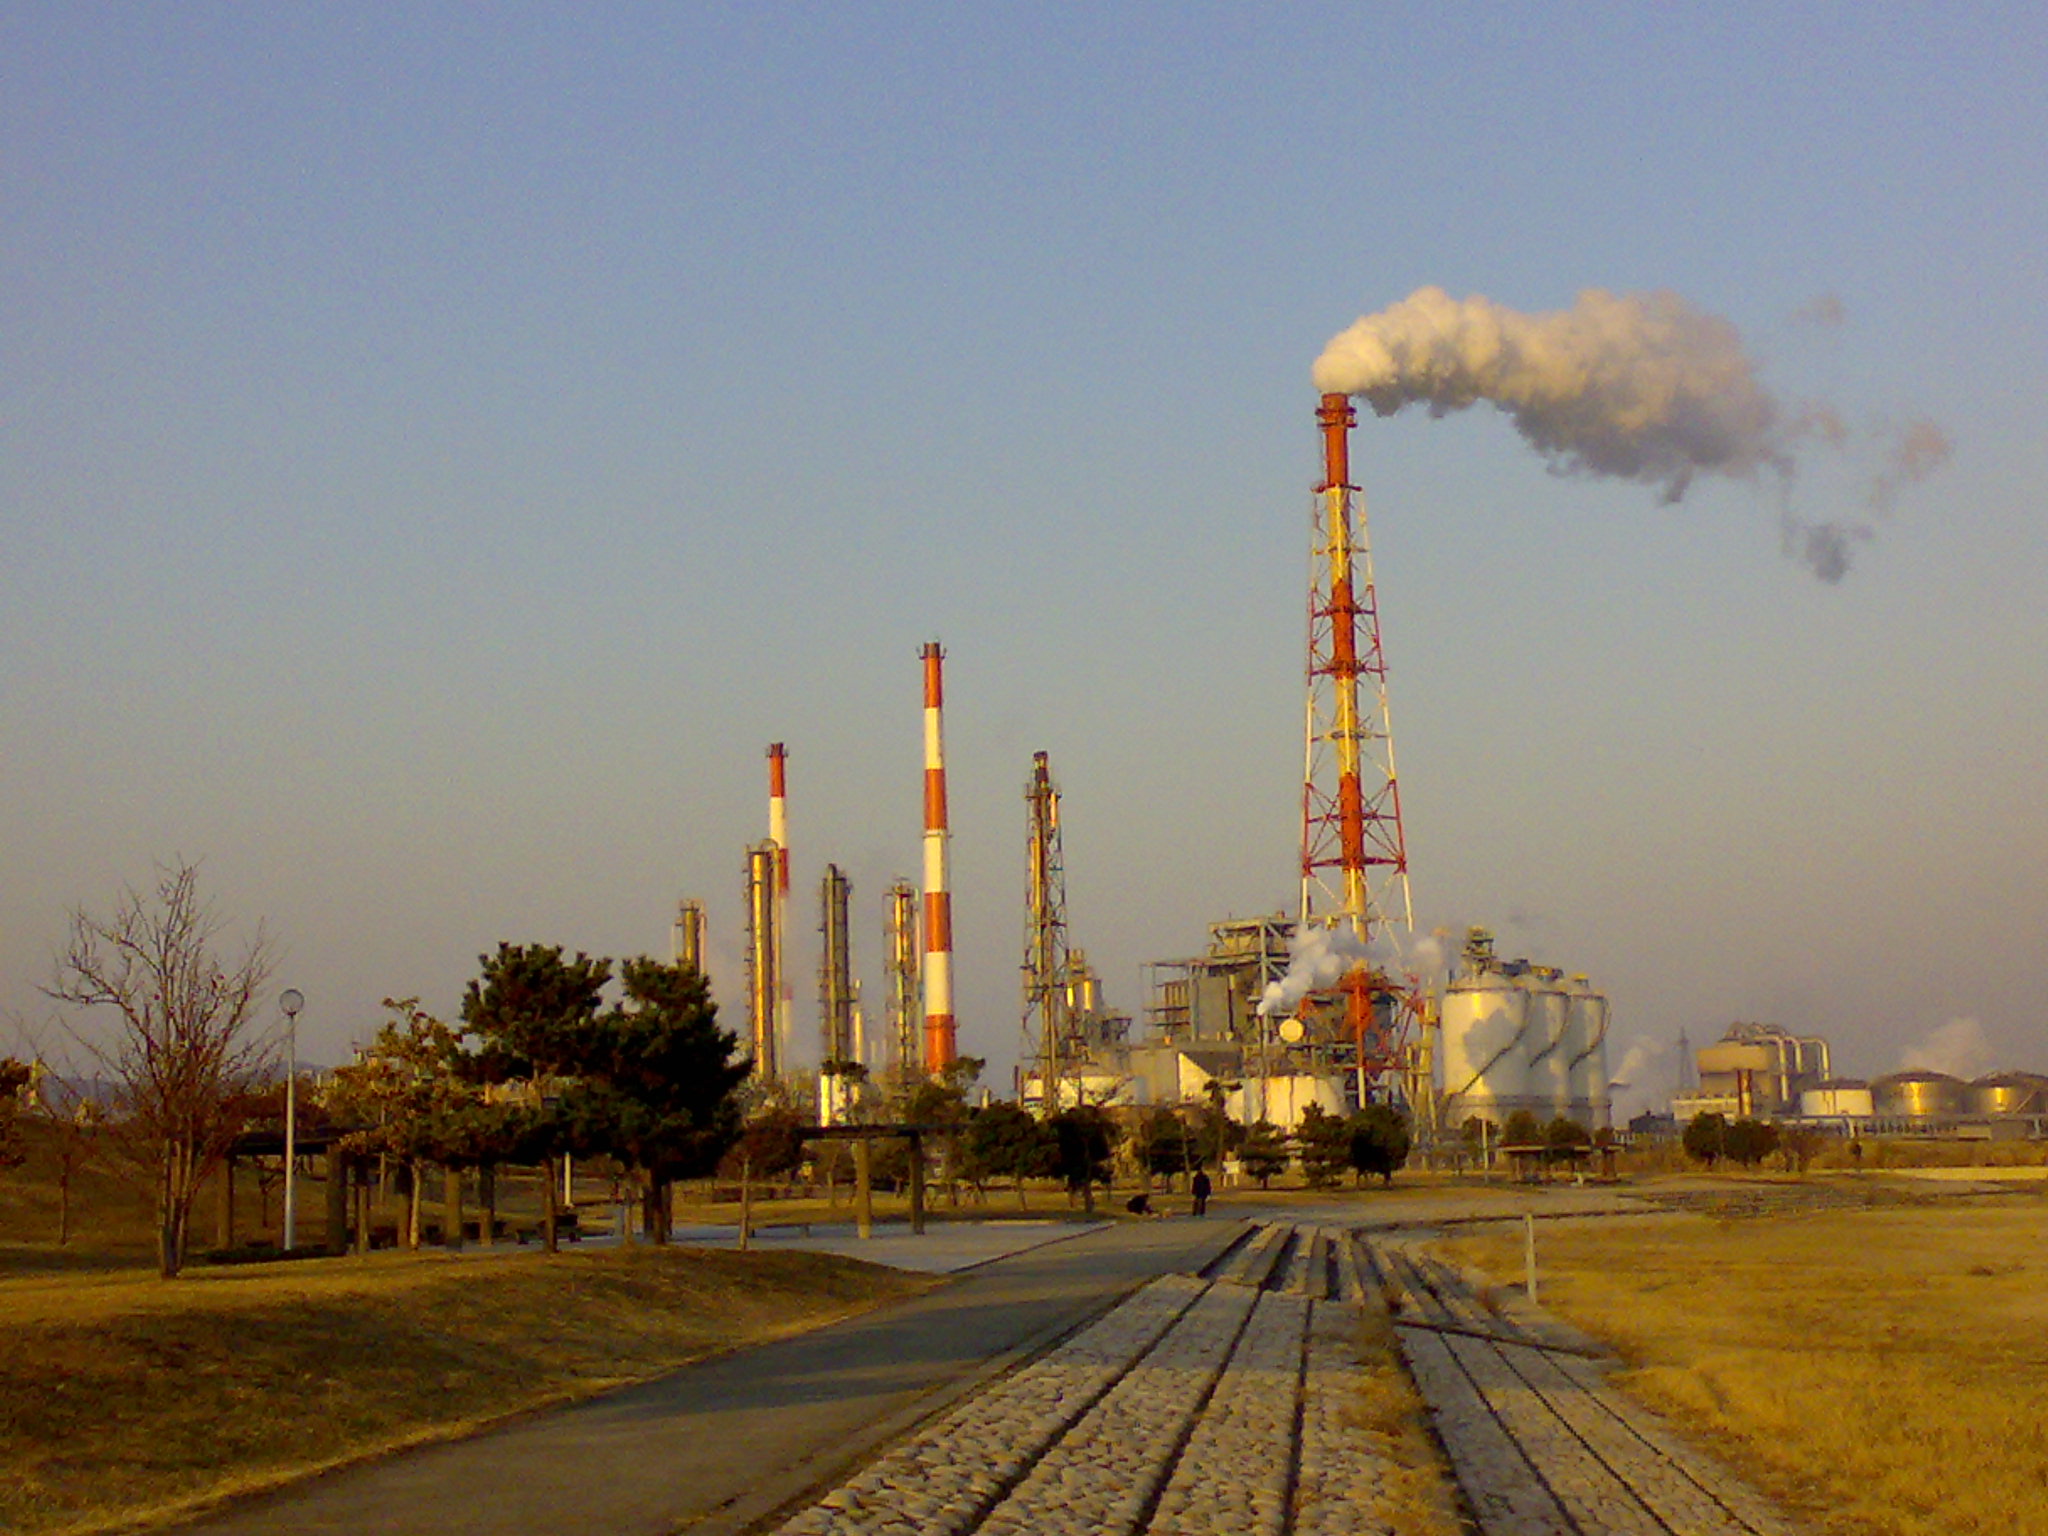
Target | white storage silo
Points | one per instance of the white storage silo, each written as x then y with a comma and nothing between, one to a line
1838,1098
1485,1021
1921,1096
1550,1062
1591,1105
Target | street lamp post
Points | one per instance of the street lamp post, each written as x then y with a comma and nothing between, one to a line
291,1000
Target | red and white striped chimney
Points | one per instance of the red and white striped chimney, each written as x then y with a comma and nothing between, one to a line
940,1045
778,834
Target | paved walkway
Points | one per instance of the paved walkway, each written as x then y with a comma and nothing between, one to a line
944,1247
1168,1378
717,1446
1214,1404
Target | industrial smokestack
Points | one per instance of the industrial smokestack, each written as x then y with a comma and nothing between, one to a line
1640,386
940,1043
1336,418
778,834
1351,799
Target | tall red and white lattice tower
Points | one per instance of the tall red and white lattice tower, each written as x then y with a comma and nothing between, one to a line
1354,860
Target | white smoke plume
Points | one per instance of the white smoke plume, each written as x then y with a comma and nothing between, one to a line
1823,548
1960,1048
1428,954
1318,957
1635,386
1643,1058
1918,449
1825,310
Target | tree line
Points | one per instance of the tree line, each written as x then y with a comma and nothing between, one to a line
553,1055
542,1067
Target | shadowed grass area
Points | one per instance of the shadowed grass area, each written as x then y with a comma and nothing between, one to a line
1883,1372
122,1397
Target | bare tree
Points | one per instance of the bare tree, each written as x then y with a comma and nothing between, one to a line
184,1056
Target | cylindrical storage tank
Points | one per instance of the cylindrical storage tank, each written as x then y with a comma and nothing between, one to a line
2007,1093
1550,1061
1920,1096
1484,1056
1590,1103
1841,1098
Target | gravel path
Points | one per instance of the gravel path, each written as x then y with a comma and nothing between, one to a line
1228,1404
1199,1407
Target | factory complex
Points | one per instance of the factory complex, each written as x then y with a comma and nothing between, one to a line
1329,1007
1762,1072
1334,1006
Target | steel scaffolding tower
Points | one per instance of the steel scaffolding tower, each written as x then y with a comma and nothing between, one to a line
905,1002
1048,1019
1354,860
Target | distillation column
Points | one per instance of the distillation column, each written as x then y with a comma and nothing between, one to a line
836,1046
686,937
906,1045
764,981
1046,1003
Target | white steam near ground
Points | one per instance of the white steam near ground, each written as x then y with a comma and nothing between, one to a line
1643,1080
1959,1047
1636,386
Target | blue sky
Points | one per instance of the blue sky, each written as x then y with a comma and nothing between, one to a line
440,448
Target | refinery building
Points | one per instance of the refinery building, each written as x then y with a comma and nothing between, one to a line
1763,1072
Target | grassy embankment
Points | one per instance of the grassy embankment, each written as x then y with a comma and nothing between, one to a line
125,1399
1883,1372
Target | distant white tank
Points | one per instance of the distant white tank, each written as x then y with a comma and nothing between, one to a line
1920,1095
1840,1098
1590,1103
2008,1093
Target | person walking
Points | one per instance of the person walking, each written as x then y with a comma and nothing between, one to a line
1199,1188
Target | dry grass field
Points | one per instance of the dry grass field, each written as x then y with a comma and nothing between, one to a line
124,1398
1884,1372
